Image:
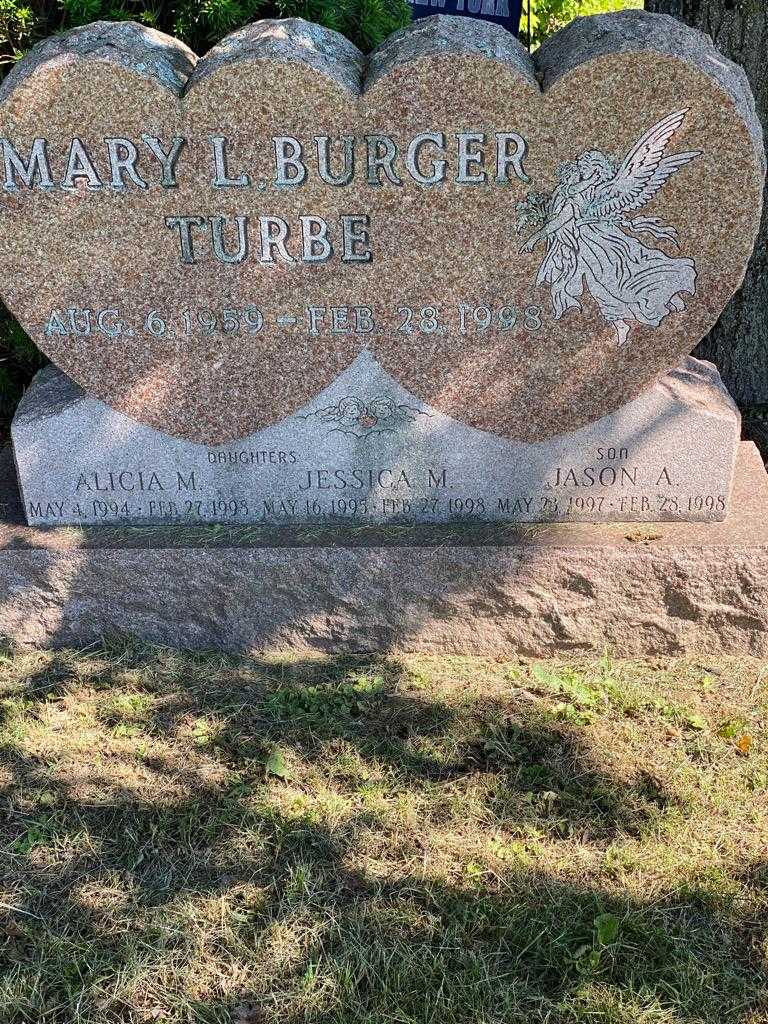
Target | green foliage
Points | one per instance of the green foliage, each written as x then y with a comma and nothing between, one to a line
543,17
16,24
201,23
276,764
20,359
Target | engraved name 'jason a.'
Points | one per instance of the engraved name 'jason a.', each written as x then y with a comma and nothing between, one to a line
605,476
119,163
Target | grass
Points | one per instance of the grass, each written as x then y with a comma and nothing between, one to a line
409,840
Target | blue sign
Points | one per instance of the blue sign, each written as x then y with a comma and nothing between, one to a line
502,12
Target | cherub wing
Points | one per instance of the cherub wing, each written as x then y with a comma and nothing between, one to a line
643,171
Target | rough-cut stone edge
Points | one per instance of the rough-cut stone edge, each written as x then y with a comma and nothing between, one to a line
288,41
589,38
145,51
49,393
697,383
174,66
443,34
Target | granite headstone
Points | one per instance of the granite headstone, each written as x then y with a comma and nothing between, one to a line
446,281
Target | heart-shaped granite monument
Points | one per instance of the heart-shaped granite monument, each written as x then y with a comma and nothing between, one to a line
205,245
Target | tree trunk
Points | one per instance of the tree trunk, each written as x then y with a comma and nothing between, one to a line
738,343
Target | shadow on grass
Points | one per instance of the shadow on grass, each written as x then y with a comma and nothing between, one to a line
207,890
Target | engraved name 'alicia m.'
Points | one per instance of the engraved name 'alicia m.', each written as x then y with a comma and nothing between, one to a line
590,237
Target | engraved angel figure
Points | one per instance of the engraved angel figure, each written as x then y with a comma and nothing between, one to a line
590,239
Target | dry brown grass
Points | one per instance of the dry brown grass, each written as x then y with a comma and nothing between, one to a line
406,840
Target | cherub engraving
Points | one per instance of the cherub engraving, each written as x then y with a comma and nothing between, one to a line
590,239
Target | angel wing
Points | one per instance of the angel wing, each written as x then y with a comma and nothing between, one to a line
643,171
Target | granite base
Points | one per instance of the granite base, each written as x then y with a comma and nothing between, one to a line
365,452
665,589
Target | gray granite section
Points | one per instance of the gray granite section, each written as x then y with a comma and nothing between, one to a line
143,50
445,34
678,588
365,451
586,39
